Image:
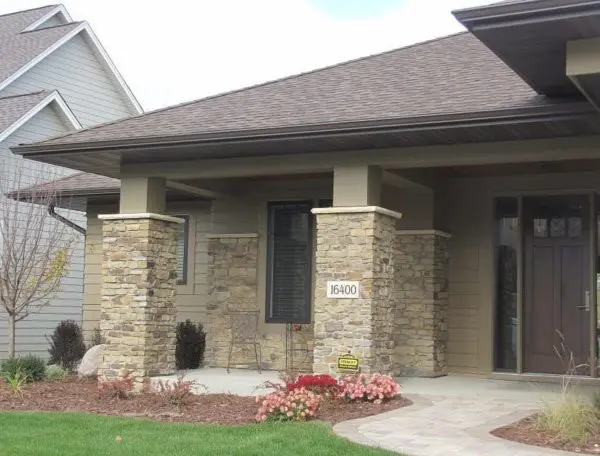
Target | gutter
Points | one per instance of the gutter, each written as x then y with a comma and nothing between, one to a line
522,10
66,221
558,111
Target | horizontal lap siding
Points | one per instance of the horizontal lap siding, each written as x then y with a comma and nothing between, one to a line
191,300
67,304
77,74
469,309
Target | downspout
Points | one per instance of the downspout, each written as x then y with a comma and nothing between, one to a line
64,220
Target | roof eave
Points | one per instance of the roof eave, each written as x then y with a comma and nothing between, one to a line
425,123
523,10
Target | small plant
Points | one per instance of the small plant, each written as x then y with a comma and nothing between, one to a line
56,373
376,388
117,388
33,367
179,393
67,346
571,418
322,384
16,381
296,405
96,338
191,342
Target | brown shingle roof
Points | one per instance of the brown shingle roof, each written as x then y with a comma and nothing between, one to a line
14,23
453,75
15,107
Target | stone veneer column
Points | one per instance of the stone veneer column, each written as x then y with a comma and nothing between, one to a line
232,285
421,292
138,313
357,244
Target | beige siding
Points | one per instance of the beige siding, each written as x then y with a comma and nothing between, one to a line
191,298
469,217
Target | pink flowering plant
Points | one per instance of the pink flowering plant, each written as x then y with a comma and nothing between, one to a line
375,388
282,405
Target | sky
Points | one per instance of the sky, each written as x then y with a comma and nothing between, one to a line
180,50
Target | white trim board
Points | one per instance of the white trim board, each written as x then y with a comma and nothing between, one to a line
54,96
419,232
105,61
356,210
59,9
141,215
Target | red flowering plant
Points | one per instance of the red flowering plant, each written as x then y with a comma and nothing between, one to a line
375,388
323,384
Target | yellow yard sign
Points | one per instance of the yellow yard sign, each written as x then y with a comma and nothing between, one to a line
348,363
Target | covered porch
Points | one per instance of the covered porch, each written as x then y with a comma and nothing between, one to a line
422,239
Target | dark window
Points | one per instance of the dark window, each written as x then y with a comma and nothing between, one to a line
182,249
507,241
289,281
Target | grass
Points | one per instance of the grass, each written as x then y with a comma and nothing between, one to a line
78,434
571,418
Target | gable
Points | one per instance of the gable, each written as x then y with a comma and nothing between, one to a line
76,72
56,20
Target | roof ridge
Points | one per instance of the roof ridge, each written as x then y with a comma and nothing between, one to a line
51,27
30,9
26,94
272,81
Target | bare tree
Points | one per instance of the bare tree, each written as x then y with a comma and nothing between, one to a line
35,248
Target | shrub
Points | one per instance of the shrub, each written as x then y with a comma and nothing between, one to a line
179,393
33,367
376,388
117,388
66,344
322,384
55,372
297,405
571,418
191,342
16,381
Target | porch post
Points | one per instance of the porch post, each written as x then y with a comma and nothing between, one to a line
138,311
355,242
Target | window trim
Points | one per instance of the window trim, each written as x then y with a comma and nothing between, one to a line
269,265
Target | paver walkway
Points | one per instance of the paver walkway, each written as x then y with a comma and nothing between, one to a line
454,424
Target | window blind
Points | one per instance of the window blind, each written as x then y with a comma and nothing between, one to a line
182,250
290,249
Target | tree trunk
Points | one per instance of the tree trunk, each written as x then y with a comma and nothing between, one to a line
11,336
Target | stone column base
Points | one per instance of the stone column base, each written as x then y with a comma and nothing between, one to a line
421,294
355,244
138,314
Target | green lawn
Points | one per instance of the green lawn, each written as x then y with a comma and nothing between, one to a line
74,434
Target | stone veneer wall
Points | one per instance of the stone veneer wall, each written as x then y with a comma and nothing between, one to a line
232,285
232,280
355,246
421,293
138,311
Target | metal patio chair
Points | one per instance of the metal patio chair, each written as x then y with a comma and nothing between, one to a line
244,331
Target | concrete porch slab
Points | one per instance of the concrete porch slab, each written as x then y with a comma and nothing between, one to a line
240,382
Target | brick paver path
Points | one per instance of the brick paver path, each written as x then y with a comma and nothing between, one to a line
446,426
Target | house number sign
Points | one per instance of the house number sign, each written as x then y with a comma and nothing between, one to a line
343,289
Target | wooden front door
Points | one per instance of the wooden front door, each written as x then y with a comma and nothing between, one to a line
557,283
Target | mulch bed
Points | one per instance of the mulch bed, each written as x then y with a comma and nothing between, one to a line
524,431
81,395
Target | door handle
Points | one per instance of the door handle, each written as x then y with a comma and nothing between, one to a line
586,305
